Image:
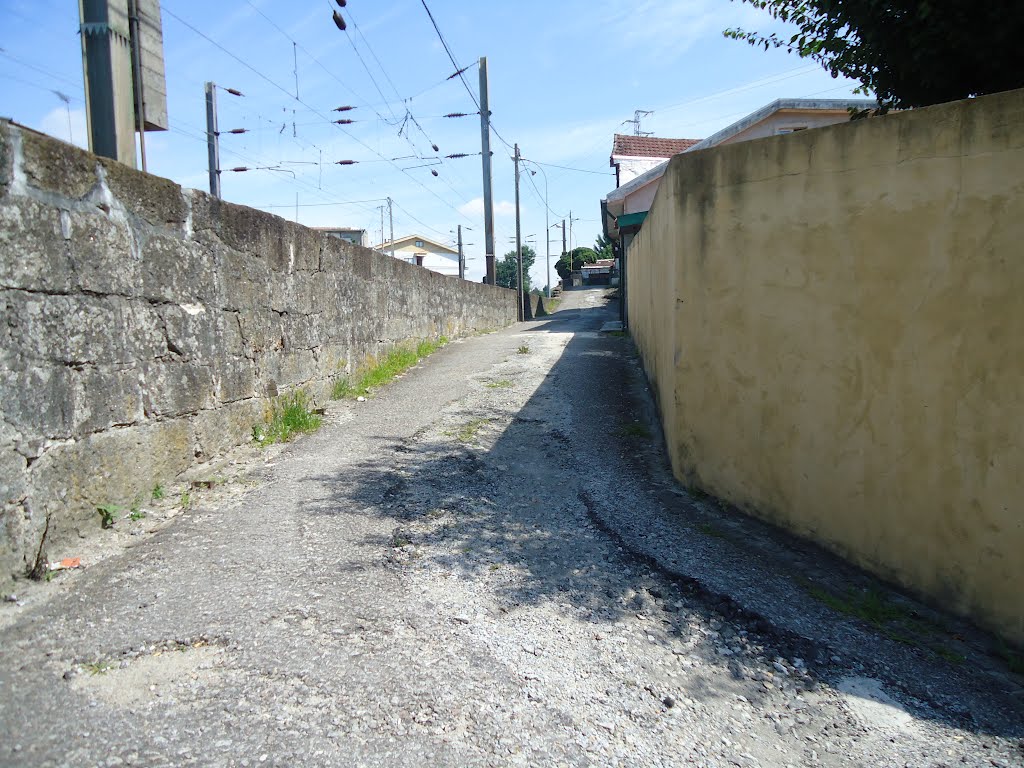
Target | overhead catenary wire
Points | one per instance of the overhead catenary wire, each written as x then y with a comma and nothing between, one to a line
290,95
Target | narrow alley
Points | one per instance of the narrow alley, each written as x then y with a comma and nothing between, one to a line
488,563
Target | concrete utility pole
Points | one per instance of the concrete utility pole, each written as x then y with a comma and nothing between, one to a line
212,139
485,153
381,209
519,245
391,222
462,261
140,102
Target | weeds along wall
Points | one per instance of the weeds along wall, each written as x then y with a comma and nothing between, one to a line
143,328
833,321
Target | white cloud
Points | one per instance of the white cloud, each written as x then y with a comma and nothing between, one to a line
662,29
56,124
475,208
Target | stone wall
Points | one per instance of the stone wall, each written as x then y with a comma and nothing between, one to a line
833,321
143,328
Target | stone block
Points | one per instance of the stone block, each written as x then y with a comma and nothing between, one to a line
13,477
234,379
36,256
105,397
193,332
6,157
113,467
21,534
175,388
38,399
217,431
179,270
103,253
157,200
56,167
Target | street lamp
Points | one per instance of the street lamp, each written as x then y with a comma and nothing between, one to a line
547,248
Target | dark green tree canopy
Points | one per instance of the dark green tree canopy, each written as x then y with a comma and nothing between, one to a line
506,271
578,257
604,247
909,53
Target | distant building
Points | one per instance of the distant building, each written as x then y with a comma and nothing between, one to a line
641,161
786,116
356,236
633,155
426,253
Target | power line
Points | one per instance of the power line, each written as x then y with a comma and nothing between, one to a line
451,56
569,168
312,109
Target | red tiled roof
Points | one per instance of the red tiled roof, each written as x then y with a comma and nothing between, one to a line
649,146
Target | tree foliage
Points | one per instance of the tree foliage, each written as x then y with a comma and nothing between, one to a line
604,247
577,258
506,271
909,53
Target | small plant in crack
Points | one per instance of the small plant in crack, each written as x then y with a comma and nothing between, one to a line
288,416
186,500
503,384
158,492
523,349
108,514
709,530
98,667
635,429
400,539
469,431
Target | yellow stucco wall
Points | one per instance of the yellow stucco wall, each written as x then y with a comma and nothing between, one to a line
833,322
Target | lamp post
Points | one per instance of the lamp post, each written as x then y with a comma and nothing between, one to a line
547,248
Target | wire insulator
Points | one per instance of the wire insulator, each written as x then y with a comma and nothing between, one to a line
343,122
338,21
239,169
346,162
237,130
435,147
342,109
453,76
457,114
234,92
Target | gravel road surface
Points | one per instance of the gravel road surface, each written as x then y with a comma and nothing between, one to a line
485,564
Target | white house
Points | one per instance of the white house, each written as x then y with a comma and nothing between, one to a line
349,234
633,155
424,252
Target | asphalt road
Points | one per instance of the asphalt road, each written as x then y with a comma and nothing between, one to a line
485,564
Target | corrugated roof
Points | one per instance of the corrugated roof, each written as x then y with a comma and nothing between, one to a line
649,146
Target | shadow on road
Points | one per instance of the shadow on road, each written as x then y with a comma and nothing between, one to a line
572,505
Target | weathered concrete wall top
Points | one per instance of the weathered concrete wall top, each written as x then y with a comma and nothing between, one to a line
143,327
834,324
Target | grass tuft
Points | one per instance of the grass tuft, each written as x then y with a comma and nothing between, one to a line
503,384
635,430
288,416
108,514
383,371
523,350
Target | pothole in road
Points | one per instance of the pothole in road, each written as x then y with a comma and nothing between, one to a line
154,673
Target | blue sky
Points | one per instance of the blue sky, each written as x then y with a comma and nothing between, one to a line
563,78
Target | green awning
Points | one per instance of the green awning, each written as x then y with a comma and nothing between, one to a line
628,220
